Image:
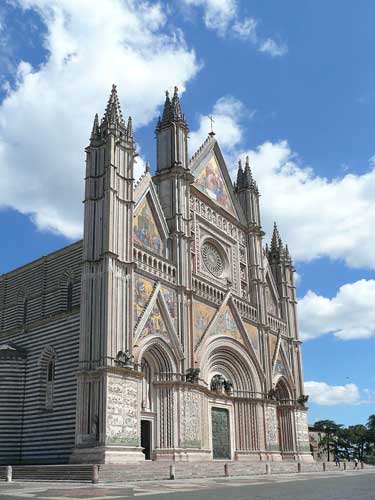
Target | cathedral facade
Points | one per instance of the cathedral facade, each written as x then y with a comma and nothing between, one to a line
170,332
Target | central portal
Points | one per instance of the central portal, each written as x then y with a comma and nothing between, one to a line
220,434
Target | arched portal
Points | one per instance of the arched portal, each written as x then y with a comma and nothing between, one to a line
232,375
284,416
158,365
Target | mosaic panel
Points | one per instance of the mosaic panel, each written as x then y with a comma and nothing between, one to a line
227,326
142,292
155,324
273,343
146,232
202,316
211,182
252,334
171,301
280,367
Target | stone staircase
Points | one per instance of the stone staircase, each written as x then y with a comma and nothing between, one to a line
147,471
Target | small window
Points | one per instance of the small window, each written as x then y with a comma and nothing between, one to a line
24,316
50,379
69,298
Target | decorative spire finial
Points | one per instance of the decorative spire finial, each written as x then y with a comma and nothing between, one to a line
113,114
276,240
172,110
95,133
147,169
239,175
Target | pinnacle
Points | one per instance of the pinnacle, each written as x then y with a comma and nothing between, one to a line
248,176
172,110
113,114
276,242
95,133
239,175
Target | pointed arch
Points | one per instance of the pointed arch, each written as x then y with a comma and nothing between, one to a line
47,373
67,282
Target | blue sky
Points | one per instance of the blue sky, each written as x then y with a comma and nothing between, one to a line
291,84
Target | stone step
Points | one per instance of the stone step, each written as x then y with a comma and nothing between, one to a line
158,470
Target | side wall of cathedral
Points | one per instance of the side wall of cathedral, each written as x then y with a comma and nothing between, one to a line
39,344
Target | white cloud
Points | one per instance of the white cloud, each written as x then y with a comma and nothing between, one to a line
227,114
224,17
317,217
273,48
330,395
46,120
348,315
218,14
246,29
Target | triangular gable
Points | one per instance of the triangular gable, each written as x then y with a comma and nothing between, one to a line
228,323
156,321
143,289
253,336
146,230
272,294
202,317
150,227
280,366
212,178
273,339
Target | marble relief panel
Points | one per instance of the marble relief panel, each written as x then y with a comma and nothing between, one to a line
302,431
272,433
146,232
122,412
202,316
191,421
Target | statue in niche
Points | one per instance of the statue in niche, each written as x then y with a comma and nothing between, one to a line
272,394
125,359
220,384
192,375
302,400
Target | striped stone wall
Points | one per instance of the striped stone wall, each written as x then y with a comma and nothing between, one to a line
30,430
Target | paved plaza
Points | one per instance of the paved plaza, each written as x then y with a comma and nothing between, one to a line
358,485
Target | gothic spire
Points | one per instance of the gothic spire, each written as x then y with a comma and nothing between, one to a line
276,242
239,175
95,133
248,176
113,115
172,110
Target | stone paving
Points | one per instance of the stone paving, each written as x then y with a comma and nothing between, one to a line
174,489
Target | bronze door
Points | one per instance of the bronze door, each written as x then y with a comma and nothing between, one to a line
220,433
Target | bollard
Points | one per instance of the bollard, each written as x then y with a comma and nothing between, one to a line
268,469
95,474
226,470
172,471
8,474
362,465
344,465
324,466
299,467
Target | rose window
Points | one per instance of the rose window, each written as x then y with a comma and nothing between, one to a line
212,259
